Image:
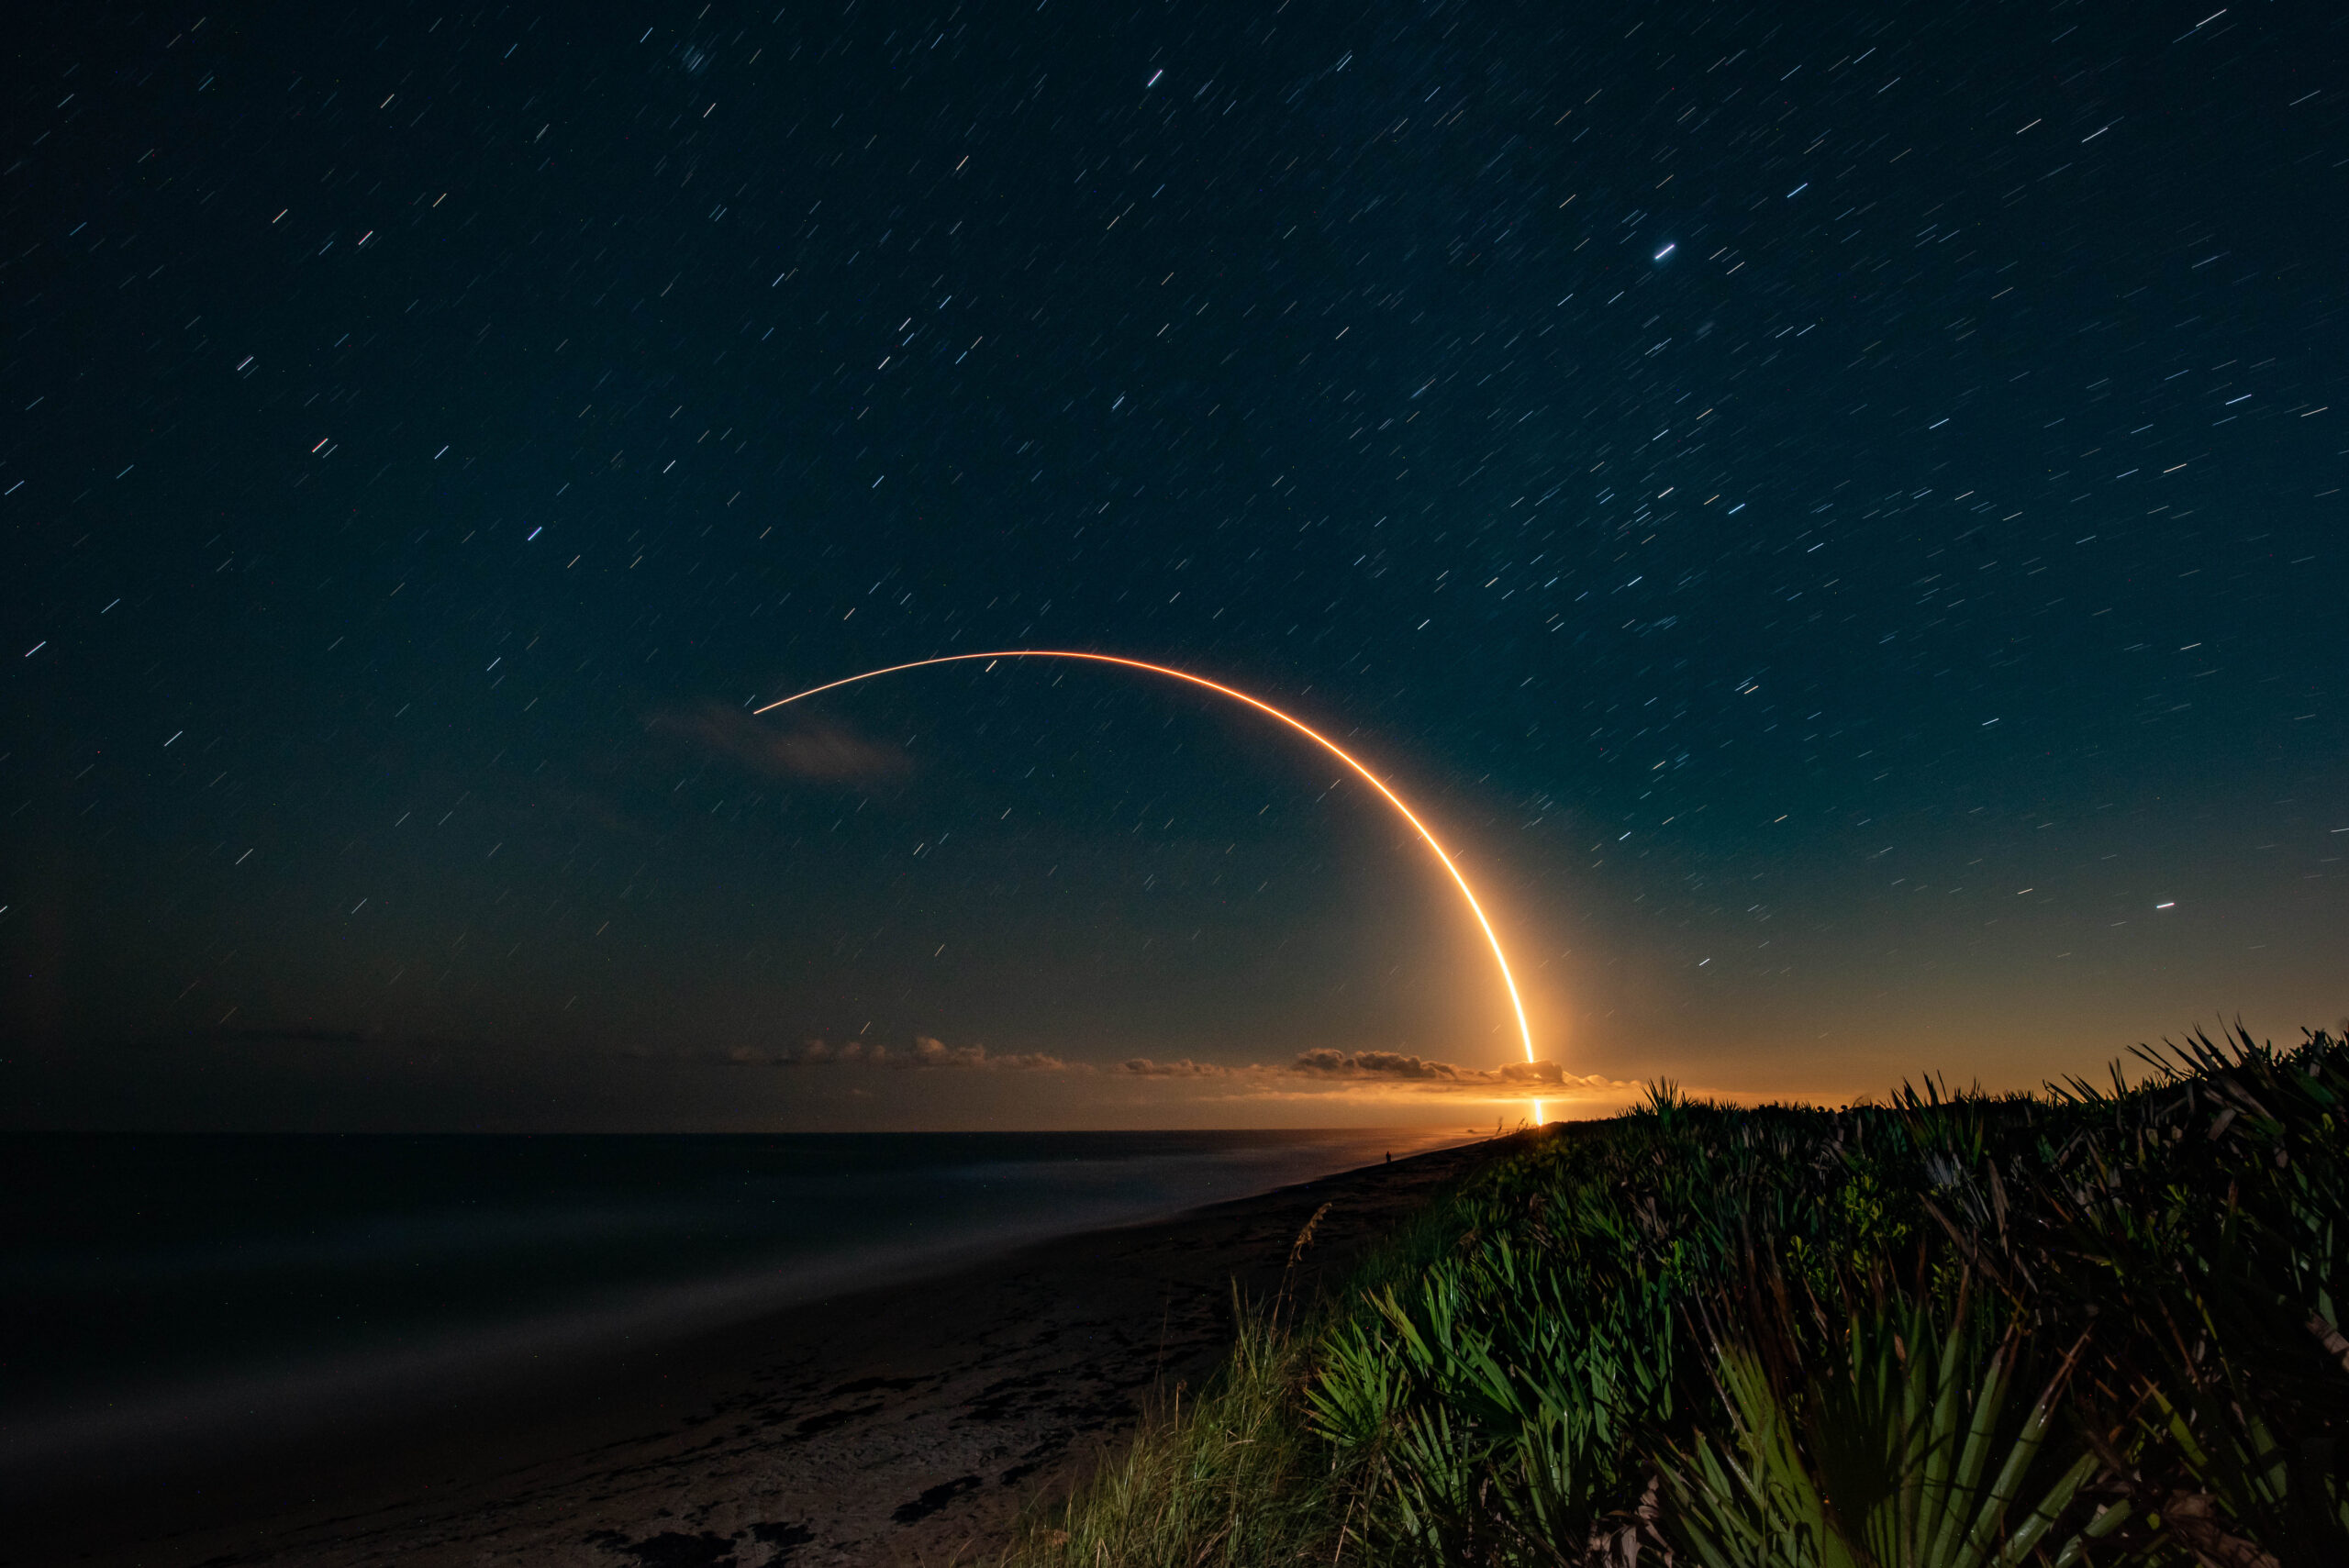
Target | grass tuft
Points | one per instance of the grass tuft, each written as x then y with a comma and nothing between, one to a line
1227,1479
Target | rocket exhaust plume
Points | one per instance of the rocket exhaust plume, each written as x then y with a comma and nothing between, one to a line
1492,939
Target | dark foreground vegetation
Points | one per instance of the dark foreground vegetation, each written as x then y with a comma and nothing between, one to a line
2092,1325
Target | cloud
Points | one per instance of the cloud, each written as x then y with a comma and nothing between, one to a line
820,753
1143,1067
1326,1070
1387,1065
1310,1074
925,1054
1393,1067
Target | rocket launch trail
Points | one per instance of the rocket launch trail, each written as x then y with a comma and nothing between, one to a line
1451,867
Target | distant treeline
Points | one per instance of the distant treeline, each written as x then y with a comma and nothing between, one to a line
2092,1325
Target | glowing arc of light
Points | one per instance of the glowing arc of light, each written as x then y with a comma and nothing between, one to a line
1492,939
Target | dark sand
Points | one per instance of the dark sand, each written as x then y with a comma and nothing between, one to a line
911,1423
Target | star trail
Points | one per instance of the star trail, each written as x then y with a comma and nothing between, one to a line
1835,518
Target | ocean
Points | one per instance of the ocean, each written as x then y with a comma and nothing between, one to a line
159,1292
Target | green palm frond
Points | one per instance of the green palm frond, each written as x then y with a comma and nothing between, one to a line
1906,1452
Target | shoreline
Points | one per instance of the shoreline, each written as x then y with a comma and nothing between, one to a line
911,1419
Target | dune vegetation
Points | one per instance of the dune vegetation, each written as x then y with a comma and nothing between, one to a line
2095,1325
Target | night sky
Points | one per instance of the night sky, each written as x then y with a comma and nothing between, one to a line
1835,511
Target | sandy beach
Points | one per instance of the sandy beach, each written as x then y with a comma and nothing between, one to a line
909,1423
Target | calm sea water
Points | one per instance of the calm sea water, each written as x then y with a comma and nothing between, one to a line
154,1282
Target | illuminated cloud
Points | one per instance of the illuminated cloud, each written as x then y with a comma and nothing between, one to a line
926,1054
1318,1073
825,753
1394,1067
1373,1065
1143,1067
1328,1071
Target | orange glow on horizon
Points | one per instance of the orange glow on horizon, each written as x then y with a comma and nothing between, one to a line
1500,959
